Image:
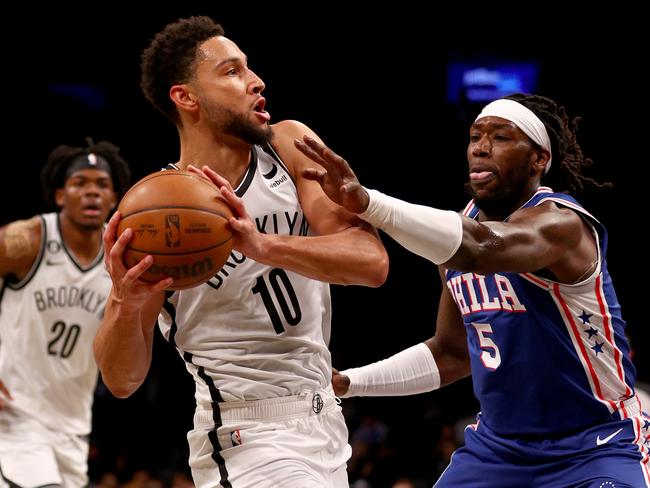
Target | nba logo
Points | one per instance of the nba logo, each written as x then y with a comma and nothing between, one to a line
235,437
172,230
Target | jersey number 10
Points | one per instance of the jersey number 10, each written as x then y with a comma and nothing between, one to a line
285,297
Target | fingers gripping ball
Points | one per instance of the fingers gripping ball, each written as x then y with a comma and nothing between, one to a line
180,219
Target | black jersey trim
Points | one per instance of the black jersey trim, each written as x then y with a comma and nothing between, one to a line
268,149
213,434
95,262
213,437
171,310
250,173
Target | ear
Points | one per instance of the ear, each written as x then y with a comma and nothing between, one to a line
183,97
113,202
541,160
59,197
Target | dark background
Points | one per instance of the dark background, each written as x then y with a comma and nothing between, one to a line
372,85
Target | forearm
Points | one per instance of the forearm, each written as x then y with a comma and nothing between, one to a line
428,232
123,348
408,372
354,256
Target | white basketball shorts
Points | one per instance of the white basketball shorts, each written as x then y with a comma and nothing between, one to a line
32,455
299,441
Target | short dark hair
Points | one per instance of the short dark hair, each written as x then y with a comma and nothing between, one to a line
568,159
53,174
171,58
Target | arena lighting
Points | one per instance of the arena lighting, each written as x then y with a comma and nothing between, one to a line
479,81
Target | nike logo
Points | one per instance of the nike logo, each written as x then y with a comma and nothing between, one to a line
600,442
53,263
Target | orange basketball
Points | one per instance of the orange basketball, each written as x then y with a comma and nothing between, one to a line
180,219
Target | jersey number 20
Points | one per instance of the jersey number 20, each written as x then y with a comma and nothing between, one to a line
64,340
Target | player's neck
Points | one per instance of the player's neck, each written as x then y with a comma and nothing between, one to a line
82,242
228,158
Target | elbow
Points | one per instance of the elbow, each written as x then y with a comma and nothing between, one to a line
120,390
119,385
378,271
478,256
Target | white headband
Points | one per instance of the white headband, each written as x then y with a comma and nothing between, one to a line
522,117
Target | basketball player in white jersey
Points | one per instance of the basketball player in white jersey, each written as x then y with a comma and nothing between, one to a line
54,291
255,336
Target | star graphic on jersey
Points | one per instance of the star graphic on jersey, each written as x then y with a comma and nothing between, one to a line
591,331
585,317
646,424
598,347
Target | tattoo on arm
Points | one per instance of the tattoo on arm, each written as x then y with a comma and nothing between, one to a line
18,238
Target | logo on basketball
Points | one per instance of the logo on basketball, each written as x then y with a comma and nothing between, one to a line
185,270
172,230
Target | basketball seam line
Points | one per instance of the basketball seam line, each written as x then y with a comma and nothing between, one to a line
180,207
179,253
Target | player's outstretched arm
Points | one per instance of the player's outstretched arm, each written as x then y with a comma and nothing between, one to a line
545,236
428,232
437,362
123,344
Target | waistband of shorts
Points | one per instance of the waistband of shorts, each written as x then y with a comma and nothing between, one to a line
307,403
625,409
629,408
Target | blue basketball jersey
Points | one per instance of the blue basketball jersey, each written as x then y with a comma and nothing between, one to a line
547,358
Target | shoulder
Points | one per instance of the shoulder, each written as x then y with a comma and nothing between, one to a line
284,134
555,221
20,242
291,129
20,234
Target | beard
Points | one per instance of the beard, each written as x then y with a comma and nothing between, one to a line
236,125
507,198
86,226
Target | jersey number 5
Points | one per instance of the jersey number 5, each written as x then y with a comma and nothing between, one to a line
490,360
284,296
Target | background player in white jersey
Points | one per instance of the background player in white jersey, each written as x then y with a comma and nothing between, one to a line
528,309
255,336
54,290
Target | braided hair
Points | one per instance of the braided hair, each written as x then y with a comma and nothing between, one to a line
171,58
53,174
564,145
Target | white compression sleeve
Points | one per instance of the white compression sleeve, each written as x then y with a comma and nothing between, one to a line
411,371
428,232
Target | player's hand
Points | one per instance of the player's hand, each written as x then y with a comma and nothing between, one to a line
340,383
246,238
5,393
336,178
126,282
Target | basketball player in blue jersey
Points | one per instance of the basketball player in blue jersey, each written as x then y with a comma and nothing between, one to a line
54,288
255,336
528,309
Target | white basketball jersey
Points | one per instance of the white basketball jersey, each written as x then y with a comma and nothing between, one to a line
254,331
47,325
